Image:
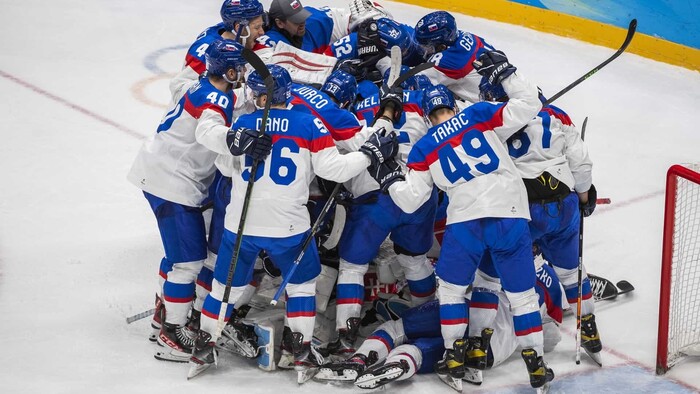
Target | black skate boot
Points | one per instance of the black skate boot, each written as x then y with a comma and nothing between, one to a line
345,344
239,338
157,319
286,351
539,373
176,343
379,375
348,370
203,356
451,368
307,359
590,338
193,320
477,350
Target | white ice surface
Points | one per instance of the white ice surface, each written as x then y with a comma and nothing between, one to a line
79,247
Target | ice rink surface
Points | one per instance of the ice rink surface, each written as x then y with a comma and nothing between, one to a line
84,81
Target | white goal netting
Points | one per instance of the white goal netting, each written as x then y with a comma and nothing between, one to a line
683,302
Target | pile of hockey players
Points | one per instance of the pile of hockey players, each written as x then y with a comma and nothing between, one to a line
274,109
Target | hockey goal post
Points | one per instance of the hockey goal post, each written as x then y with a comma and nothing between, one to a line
679,302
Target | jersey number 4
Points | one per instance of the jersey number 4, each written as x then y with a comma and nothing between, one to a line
283,170
476,147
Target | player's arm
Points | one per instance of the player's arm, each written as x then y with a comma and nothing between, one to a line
211,131
577,156
329,164
412,193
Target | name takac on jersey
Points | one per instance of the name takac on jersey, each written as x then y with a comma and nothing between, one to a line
446,129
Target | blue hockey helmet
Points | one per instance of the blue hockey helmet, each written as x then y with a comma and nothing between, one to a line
437,97
392,33
282,84
489,92
436,28
416,82
240,11
342,86
223,55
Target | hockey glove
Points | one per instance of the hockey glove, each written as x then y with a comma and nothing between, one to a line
380,148
391,98
386,174
588,208
247,141
494,66
369,47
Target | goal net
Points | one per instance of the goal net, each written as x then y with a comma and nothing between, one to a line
679,303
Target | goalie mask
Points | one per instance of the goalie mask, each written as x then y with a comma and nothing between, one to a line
362,10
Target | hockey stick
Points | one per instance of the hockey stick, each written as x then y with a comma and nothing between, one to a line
307,241
394,81
624,288
261,69
630,34
579,300
140,316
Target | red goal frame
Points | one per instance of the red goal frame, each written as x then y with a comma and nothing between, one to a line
674,172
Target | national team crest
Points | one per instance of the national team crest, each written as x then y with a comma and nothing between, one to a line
295,4
235,2
432,27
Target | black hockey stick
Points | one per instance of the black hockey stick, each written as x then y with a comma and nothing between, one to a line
261,69
579,299
623,286
630,34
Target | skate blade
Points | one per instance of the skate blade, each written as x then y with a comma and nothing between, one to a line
456,384
197,369
473,376
235,347
371,381
306,374
170,356
543,390
595,357
328,375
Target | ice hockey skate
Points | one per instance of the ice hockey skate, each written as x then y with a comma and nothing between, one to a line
239,338
590,338
203,356
346,371
175,342
540,374
344,346
473,376
380,375
286,353
307,359
477,349
156,321
451,368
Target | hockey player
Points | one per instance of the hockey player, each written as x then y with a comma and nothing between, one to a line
277,222
556,168
452,51
371,218
398,349
174,169
464,155
242,21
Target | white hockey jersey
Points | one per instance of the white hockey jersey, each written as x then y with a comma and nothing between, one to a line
467,158
551,143
302,147
172,164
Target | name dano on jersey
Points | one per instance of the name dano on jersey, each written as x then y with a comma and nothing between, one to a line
274,124
446,129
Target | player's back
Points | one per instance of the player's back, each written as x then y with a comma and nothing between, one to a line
316,39
467,159
172,164
549,142
282,180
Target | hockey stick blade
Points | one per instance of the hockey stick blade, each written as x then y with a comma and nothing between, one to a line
395,69
413,71
624,286
630,34
140,316
583,128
